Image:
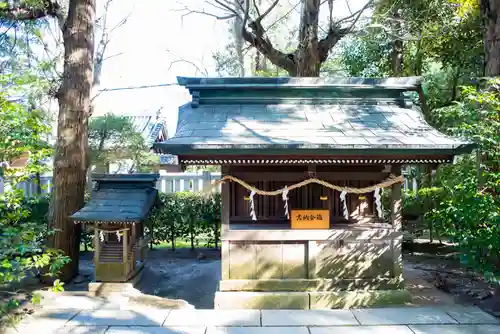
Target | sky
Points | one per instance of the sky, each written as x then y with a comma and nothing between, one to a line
157,44
152,47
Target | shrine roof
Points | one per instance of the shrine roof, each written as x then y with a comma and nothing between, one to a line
306,115
119,198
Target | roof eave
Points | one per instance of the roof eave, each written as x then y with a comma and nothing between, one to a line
105,220
405,83
465,148
311,149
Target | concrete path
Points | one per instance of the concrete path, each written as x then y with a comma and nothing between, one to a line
85,315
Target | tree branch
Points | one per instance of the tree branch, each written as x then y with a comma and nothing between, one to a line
335,32
188,11
8,29
20,11
224,6
261,17
112,56
198,69
258,39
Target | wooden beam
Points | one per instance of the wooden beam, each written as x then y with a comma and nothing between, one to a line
299,176
368,234
263,157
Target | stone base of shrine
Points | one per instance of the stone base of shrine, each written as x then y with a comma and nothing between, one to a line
107,288
309,300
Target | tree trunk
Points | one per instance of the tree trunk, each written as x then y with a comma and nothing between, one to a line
490,12
397,47
238,45
70,161
307,58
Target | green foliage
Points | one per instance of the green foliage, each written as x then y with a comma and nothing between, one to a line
440,86
187,216
198,168
23,225
365,56
21,130
467,207
433,32
113,139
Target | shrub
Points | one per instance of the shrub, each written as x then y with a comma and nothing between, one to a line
23,230
188,216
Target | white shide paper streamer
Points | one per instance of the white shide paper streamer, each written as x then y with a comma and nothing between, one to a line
252,206
284,196
344,202
378,202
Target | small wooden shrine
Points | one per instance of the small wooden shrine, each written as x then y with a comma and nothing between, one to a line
305,162
116,212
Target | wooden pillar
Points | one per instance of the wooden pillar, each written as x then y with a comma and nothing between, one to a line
427,183
125,246
397,224
97,244
134,233
308,193
396,201
225,214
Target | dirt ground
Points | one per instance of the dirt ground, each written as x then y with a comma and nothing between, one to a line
188,275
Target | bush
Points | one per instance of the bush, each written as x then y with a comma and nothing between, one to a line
23,230
187,216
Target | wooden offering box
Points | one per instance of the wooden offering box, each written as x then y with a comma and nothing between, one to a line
310,219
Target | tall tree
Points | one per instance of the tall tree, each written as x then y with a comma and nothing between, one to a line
314,42
490,12
114,139
70,159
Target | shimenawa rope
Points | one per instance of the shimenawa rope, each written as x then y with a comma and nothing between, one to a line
387,183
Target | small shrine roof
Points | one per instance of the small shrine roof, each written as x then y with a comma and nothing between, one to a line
119,198
306,115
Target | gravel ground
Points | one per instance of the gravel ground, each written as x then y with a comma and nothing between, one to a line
192,276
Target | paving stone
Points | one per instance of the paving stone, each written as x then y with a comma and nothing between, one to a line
257,330
307,318
44,321
155,330
470,315
402,316
213,318
76,302
81,330
111,317
361,330
455,329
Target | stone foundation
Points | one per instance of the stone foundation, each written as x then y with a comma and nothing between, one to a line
107,288
309,300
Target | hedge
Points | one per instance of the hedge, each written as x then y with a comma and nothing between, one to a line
188,216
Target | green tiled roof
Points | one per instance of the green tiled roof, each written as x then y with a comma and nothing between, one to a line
119,198
307,115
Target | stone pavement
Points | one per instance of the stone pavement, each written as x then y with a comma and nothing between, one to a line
85,315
